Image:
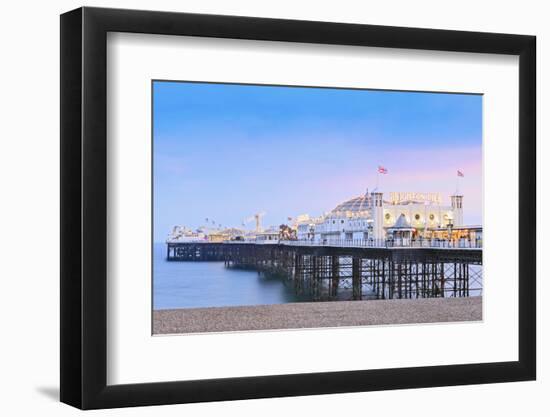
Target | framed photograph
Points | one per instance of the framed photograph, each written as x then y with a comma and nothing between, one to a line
257,208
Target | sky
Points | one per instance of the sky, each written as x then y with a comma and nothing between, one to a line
226,151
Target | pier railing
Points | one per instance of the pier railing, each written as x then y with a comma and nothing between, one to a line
387,243
358,243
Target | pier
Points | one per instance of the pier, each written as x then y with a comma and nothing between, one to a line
353,272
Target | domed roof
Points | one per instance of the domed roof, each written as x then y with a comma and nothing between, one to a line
361,203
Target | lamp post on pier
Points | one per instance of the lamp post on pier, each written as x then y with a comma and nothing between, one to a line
450,231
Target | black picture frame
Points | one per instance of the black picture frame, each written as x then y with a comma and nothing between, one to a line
84,207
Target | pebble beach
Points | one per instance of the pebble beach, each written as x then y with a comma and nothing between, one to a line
316,315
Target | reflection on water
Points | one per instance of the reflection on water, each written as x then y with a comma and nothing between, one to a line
210,284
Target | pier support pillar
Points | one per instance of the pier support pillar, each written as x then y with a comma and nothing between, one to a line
335,275
356,278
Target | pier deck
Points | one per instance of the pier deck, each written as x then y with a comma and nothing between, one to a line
337,272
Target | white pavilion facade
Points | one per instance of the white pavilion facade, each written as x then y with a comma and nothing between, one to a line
374,217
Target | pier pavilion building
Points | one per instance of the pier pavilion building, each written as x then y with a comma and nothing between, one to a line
377,217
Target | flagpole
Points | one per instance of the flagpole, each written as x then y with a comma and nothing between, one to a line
459,175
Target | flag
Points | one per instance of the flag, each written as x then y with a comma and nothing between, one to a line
382,170
459,173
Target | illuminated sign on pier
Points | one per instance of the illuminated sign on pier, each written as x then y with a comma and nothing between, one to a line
401,197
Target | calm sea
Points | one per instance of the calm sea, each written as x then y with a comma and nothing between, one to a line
210,284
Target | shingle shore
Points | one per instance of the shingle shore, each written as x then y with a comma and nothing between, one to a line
320,314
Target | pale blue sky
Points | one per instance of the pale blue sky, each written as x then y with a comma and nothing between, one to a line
227,151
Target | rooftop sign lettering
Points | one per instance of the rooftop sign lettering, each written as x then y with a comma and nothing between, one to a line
401,197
